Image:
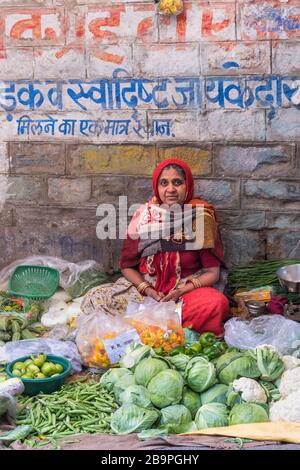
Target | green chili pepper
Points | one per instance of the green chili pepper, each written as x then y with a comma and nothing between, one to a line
194,349
207,339
178,350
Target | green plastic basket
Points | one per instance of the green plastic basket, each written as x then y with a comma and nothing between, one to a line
34,282
48,385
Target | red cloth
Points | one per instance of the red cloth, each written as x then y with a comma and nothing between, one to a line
205,309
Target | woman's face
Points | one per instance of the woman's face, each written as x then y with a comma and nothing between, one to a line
171,187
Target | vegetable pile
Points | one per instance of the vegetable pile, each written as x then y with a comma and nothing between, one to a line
256,275
173,394
37,368
79,407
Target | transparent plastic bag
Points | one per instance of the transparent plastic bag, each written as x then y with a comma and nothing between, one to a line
62,313
157,323
7,405
75,278
267,329
15,349
101,339
169,7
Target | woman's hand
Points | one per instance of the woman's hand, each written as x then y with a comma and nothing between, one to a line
151,292
173,295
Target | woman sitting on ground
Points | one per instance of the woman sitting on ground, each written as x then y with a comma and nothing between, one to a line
161,259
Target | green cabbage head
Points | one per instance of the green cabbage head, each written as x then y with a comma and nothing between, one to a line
247,413
137,395
216,394
211,415
233,365
191,400
200,374
166,388
175,414
147,369
112,376
132,418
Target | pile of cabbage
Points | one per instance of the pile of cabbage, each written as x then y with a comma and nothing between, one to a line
174,394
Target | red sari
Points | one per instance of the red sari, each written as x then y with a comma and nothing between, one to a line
205,309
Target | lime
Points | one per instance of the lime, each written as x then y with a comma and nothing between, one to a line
27,376
17,372
59,368
33,369
40,376
39,360
18,365
48,368
27,362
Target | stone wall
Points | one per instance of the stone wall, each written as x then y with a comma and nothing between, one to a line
95,94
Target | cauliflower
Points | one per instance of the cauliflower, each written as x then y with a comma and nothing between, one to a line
287,409
251,390
290,362
290,382
270,347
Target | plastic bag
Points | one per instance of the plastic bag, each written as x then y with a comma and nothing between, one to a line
157,323
101,339
61,313
8,389
170,7
15,349
267,329
75,278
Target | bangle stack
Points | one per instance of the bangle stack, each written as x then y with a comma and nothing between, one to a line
143,286
196,283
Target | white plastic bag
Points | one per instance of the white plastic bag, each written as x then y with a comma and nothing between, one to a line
76,278
267,329
15,349
61,312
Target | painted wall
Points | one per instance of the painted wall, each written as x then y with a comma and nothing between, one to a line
94,93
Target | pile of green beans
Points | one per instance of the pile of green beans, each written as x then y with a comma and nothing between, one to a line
261,273
78,408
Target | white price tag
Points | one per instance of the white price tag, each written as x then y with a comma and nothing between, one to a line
115,347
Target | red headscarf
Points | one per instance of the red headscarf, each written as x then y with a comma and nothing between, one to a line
189,180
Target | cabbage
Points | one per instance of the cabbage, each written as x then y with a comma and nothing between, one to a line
152,433
166,388
247,413
179,361
122,385
200,374
269,363
175,414
112,376
233,365
136,394
147,369
132,418
134,353
233,397
215,394
211,415
191,400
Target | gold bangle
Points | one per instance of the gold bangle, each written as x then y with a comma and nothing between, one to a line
196,283
143,286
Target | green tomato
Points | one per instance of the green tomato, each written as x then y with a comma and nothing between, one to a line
59,368
40,360
54,375
17,372
48,368
27,362
27,376
33,369
19,365
40,376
